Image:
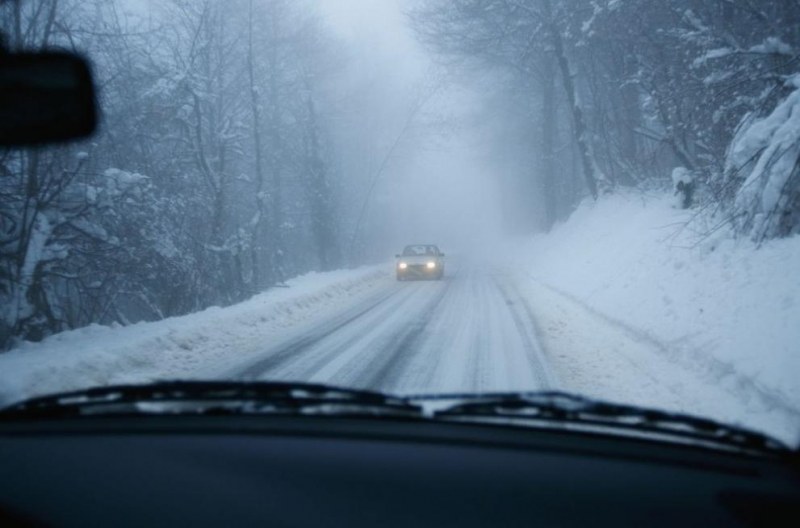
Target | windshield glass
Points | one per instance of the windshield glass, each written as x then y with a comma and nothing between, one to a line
613,185
411,251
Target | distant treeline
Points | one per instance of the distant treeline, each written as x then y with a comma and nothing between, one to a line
591,95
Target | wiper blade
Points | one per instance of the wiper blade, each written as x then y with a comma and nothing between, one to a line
212,397
550,409
564,409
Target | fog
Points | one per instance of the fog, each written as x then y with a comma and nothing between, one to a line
438,184
246,142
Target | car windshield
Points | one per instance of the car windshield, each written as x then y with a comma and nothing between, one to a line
411,251
613,185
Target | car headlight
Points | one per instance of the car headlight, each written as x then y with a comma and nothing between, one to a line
402,265
430,265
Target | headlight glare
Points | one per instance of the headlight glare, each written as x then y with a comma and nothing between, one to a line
402,265
430,265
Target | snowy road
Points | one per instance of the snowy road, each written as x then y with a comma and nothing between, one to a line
486,328
483,328
468,332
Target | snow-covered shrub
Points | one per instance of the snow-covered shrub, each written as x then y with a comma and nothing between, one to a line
765,156
683,184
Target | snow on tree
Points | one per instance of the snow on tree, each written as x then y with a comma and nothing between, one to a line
765,155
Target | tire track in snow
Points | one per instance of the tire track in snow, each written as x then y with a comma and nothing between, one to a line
387,369
467,332
525,322
337,351
291,350
351,361
473,343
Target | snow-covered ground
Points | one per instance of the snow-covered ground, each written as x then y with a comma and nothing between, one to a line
704,324
192,346
623,302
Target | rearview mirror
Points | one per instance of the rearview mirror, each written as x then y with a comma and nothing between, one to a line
44,98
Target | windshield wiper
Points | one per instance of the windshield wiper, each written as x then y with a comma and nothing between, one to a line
558,409
541,409
213,397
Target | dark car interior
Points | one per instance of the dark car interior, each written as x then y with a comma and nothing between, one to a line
290,471
239,454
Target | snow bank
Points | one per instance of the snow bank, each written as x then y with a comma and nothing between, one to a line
719,307
191,346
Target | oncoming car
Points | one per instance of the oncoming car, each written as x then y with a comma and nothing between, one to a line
420,261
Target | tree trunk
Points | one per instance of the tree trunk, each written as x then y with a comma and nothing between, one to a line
549,132
580,129
258,222
322,222
276,178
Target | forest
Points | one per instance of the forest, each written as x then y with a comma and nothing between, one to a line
242,141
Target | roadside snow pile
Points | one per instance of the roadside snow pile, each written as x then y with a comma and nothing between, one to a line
718,307
180,347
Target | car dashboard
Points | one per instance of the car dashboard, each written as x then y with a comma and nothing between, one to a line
314,471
